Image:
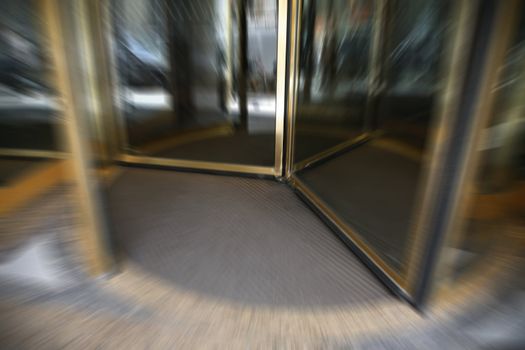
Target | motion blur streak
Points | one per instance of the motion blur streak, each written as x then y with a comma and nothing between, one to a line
188,174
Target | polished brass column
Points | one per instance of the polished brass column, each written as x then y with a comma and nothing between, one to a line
92,238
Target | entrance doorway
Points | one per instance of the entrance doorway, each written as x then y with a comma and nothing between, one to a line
197,83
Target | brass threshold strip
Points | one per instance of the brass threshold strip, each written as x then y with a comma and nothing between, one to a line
31,153
198,165
186,137
391,275
321,156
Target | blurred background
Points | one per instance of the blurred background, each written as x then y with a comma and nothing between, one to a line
262,173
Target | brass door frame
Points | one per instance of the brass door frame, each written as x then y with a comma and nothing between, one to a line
406,281
276,170
71,163
500,40
445,115
92,240
32,153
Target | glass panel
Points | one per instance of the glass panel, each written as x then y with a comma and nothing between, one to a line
197,78
40,217
492,226
373,69
333,74
29,120
27,106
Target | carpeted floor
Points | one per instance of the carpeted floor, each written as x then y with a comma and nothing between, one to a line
251,241
216,262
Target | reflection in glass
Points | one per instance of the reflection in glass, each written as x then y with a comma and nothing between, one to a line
27,107
492,226
197,78
38,214
29,123
333,74
369,69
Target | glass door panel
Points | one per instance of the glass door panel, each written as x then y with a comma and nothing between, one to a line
369,77
197,79
334,61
